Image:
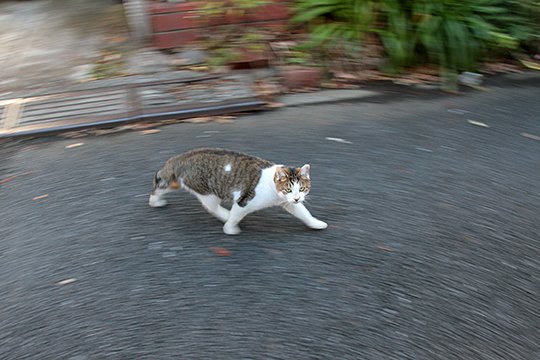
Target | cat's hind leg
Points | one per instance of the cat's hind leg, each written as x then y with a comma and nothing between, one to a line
212,204
162,187
302,213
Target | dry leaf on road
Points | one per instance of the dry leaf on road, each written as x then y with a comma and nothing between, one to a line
150,131
40,197
3,181
219,251
531,136
477,123
70,146
339,140
202,119
66,281
225,119
275,105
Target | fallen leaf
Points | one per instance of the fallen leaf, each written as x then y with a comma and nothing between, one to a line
477,123
219,251
494,68
345,76
202,119
141,126
74,145
531,136
150,131
3,181
266,90
112,57
275,105
40,197
118,39
530,64
340,140
225,119
199,68
66,281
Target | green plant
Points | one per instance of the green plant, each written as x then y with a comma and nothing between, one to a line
296,57
527,29
457,34
451,33
227,42
221,56
332,20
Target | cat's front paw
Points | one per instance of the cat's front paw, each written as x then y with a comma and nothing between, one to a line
231,230
155,201
317,224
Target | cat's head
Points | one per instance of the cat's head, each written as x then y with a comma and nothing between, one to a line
292,184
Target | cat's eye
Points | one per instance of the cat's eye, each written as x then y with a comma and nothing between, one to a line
303,189
288,190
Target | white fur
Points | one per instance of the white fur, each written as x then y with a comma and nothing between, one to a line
212,204
156,199
266,195
236,195
295,196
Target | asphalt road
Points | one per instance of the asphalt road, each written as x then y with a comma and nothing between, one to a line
432,250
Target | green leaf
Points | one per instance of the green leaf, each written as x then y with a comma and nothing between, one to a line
313,13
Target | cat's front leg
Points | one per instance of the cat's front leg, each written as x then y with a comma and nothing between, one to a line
237,213
302,213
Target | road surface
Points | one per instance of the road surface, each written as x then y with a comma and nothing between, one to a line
432,250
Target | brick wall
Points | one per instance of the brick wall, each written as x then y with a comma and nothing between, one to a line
178,24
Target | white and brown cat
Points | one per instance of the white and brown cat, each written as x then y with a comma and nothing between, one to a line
249,182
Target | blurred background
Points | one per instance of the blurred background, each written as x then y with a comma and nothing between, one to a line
337,42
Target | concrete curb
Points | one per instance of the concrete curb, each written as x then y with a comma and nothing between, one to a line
324,96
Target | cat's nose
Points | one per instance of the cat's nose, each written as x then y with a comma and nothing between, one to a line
297,199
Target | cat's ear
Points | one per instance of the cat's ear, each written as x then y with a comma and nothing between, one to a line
281,173
304,171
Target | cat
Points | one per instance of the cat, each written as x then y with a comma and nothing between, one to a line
214,175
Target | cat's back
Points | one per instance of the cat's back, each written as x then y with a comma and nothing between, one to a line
219,171
218,157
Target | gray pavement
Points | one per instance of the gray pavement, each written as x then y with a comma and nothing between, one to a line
54,42
432,250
